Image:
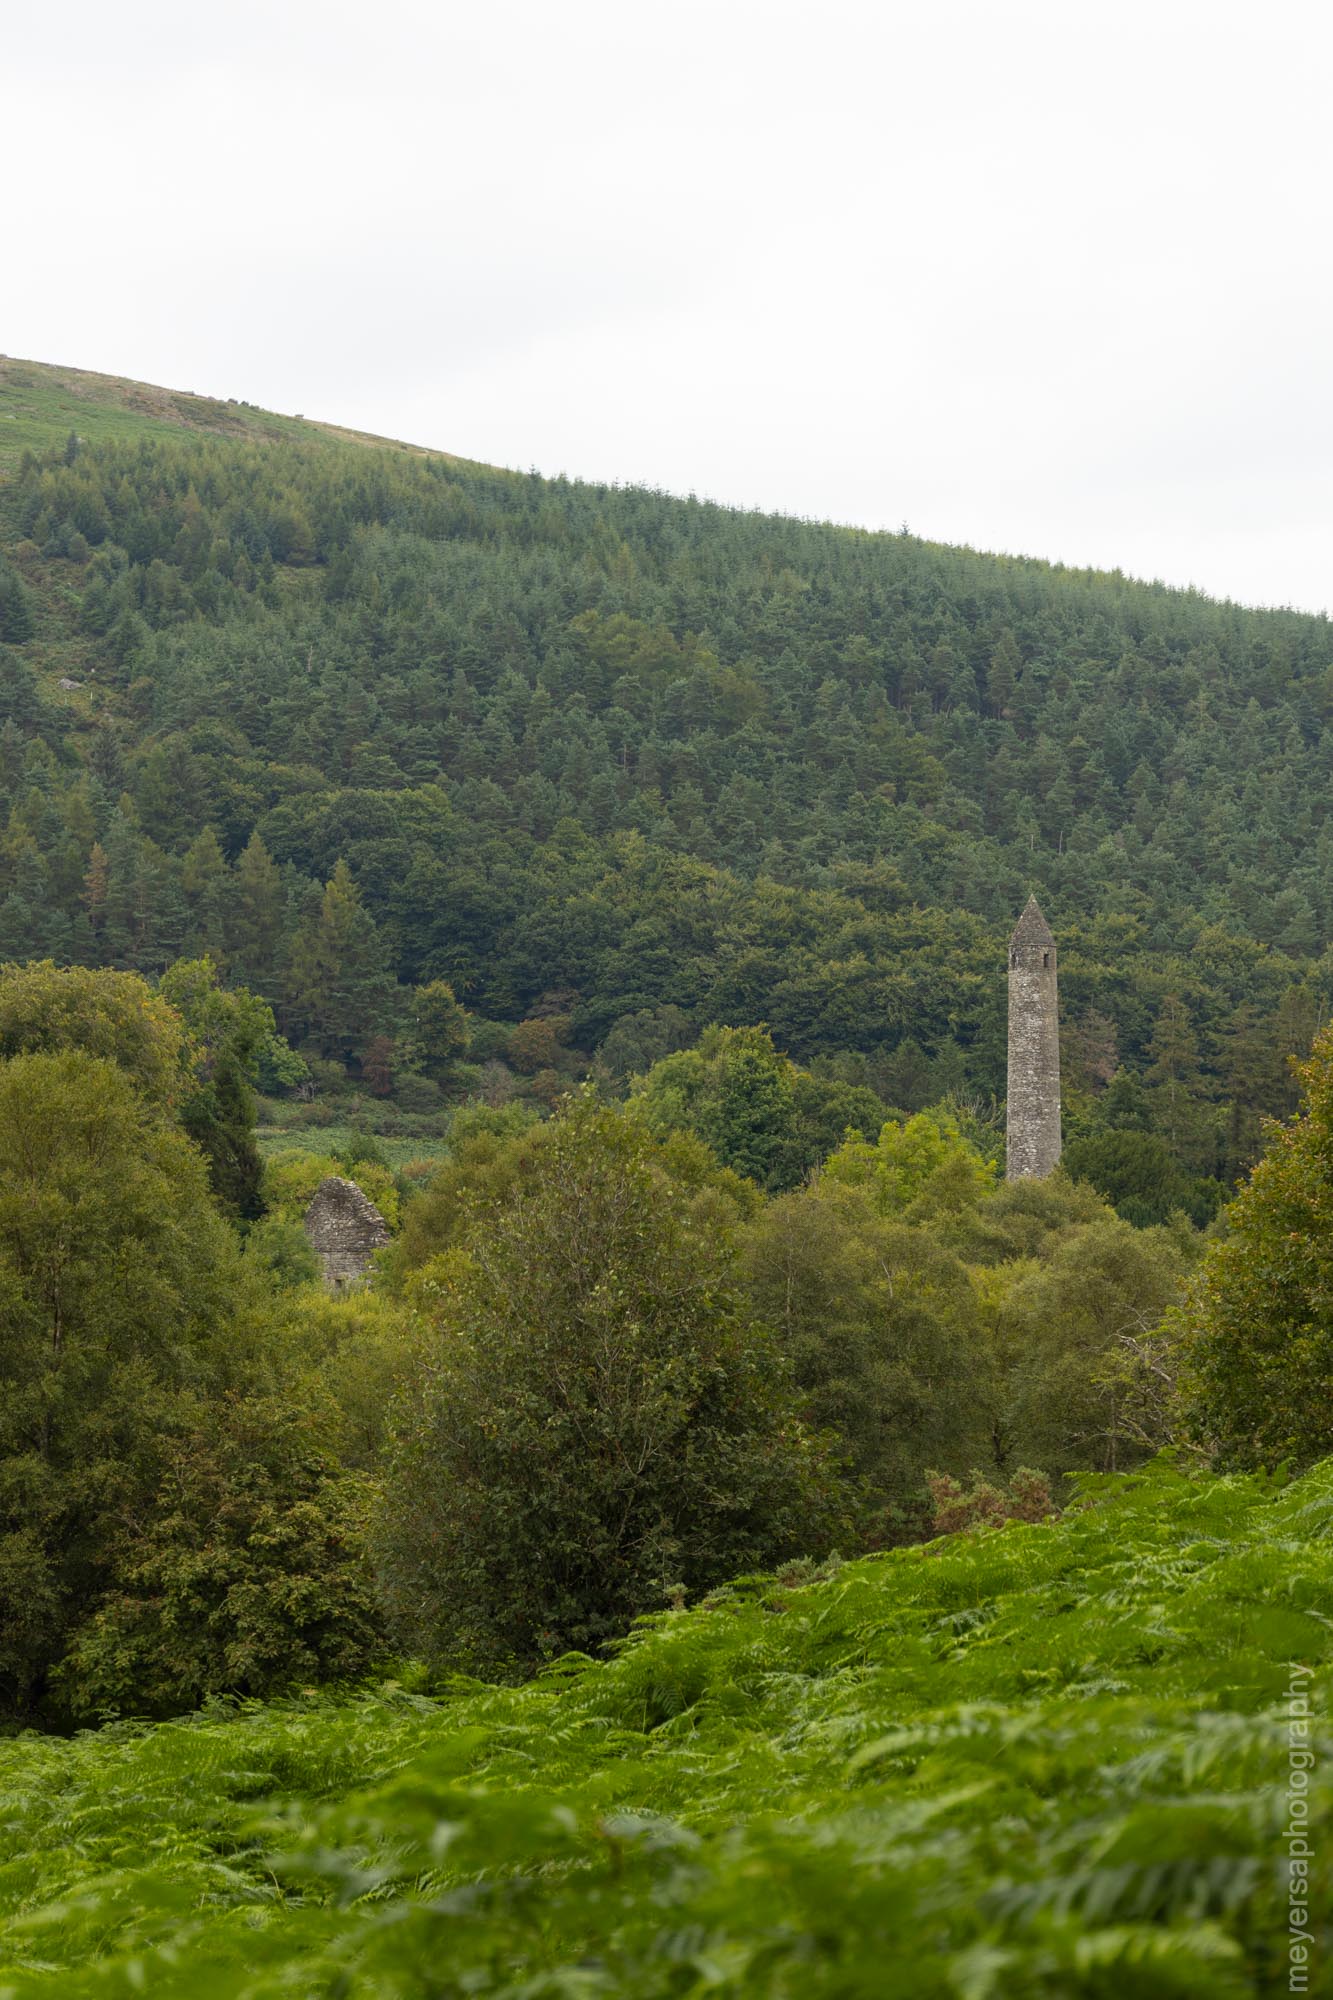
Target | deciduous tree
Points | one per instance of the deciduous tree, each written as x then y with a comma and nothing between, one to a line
598,1420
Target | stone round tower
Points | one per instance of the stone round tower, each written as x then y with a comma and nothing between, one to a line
1032,1128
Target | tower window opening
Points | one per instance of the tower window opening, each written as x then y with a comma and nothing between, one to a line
1046,961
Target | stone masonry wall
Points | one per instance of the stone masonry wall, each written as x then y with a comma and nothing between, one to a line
1033,1116
344,1229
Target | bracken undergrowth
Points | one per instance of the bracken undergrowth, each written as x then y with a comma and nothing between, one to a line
1043,1759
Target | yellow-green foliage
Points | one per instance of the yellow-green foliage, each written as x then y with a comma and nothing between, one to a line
924,1161
117,1280
349,1356
932,1322
291,1178
1043,1762
108,1014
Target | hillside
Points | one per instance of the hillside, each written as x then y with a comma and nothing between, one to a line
632,764
40,405
409,793
1042,1761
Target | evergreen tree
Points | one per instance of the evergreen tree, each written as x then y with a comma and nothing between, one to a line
1006,664
339,988
96,884
204,876
227,1031
1173,1073
17,624
257,907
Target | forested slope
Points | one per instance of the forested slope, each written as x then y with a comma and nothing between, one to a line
612,757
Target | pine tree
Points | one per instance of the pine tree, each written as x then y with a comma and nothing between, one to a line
1006,664
339,986
16,619
204,876
96,885
1174,1070
220,1118
257,903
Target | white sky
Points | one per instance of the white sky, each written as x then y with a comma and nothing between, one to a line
1051,277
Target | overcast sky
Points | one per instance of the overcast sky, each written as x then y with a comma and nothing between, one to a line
1050,278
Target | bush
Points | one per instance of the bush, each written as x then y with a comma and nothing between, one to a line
280,1250
248,1576
360,1149
418,1094
1026,1498
489,1040
535,1046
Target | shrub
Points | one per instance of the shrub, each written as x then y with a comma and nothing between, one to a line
418,1094
247,1576
280,1249
534,1046
1026,1498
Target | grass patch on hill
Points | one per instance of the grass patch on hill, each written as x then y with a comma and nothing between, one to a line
40,404
398,1151
1045,1760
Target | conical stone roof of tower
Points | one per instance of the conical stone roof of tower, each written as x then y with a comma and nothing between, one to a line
1032,927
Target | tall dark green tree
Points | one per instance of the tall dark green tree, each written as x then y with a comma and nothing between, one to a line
254,935
227,1030
17,624
339,989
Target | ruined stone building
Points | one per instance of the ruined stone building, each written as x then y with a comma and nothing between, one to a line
344,1229
1032,1130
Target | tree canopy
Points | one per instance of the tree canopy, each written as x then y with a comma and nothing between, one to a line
360,723
1258,1327
599,1419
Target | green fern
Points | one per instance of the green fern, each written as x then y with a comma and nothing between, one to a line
1041,1762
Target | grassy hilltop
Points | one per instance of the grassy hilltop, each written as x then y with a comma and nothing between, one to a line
41,404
